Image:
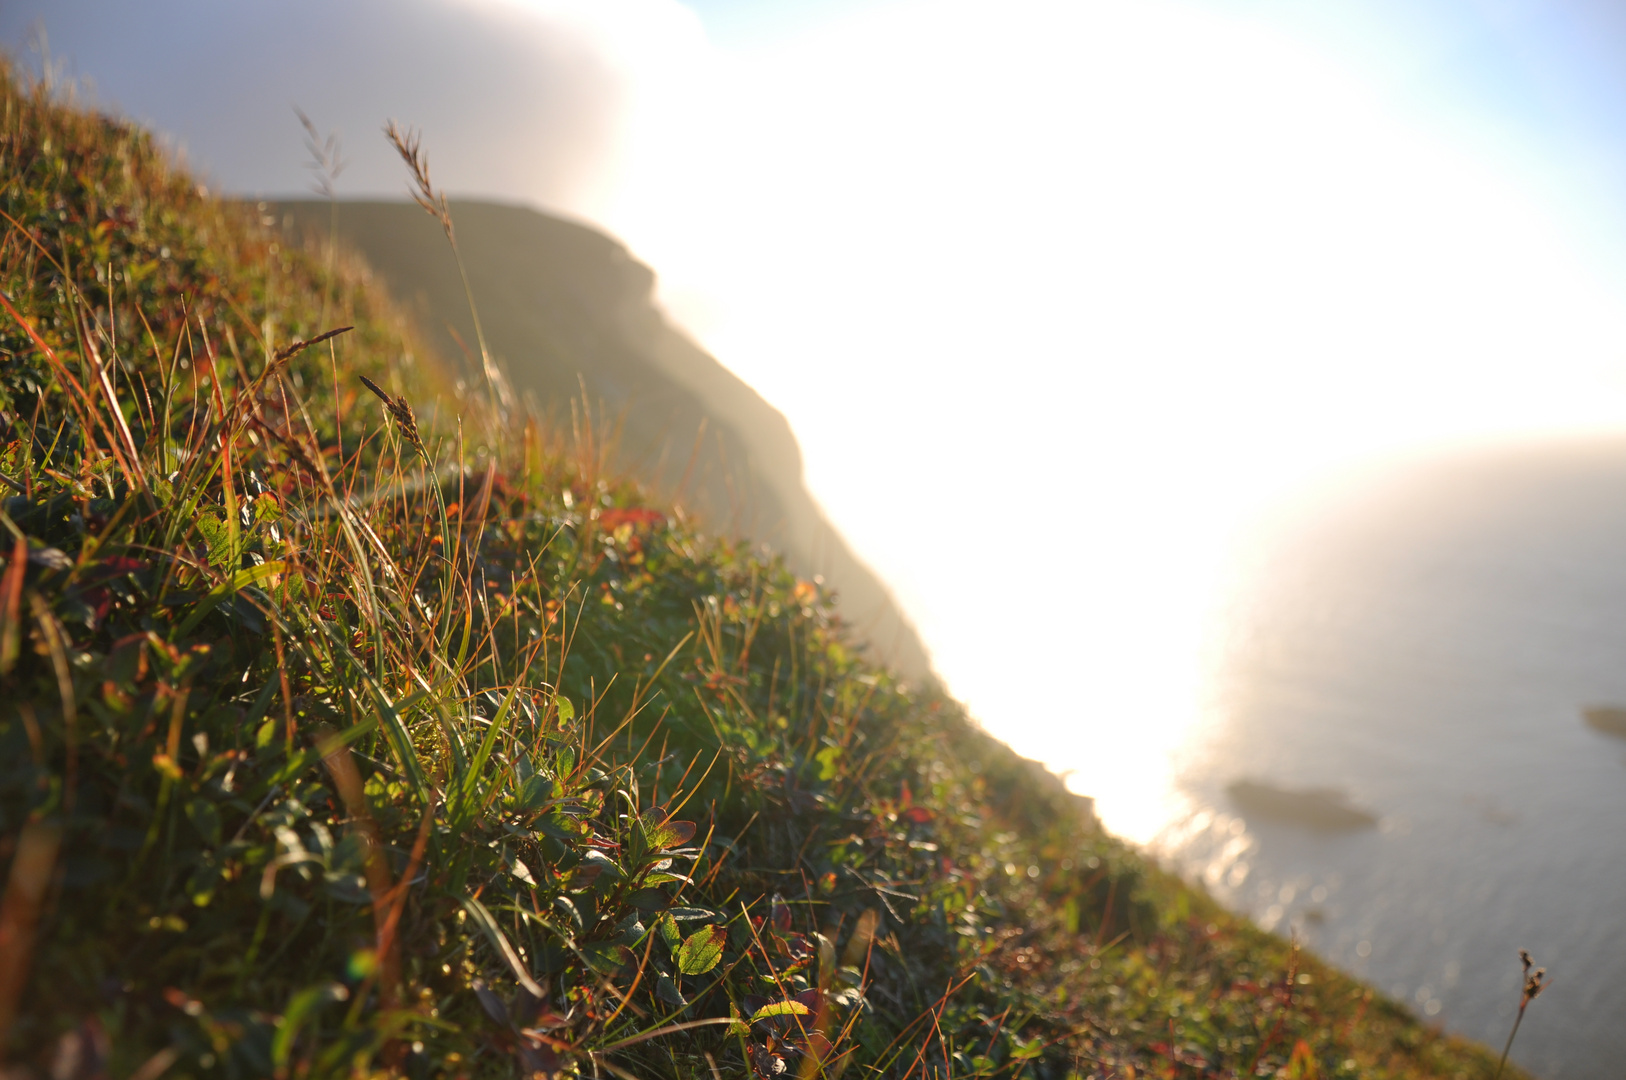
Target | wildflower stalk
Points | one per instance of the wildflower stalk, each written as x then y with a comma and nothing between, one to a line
327,162
1534,983
408,143
400,412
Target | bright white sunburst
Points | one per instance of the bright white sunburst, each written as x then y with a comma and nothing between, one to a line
1057,295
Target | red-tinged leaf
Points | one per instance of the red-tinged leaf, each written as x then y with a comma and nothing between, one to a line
680,833
916,815
547,1020
816,1046
702,950
595,863
100,601
809,998
796,946
664,833
781,913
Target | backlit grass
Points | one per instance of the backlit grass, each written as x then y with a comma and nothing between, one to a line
346,732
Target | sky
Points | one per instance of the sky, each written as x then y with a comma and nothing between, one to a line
1059,296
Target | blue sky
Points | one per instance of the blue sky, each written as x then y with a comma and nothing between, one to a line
1548,74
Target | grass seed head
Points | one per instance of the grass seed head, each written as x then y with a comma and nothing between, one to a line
400,410
408,142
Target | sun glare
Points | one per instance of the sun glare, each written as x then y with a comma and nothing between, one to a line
1058,296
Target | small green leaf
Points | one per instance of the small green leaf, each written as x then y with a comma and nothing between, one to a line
668,992
597,863
701,951
738,1028
230,587
631,930
1028,1050
536,790
780,1008
216,536
606,957
266,509
567,711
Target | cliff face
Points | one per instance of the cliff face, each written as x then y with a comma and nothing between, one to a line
566,309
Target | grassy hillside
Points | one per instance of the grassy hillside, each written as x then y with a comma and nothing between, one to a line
351,736
568,310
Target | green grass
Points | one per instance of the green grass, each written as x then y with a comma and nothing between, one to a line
331,747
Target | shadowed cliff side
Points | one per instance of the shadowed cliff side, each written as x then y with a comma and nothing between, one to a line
566,308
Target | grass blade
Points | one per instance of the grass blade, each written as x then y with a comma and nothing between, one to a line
482,918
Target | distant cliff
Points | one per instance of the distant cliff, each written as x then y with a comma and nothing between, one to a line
565,307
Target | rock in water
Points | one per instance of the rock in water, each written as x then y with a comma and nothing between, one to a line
1609,719
1315,808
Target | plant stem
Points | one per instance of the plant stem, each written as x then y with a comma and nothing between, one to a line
1517,1020
494,379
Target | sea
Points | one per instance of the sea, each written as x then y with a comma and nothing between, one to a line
1416,645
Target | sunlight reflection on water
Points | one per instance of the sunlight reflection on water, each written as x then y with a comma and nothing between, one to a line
1423,646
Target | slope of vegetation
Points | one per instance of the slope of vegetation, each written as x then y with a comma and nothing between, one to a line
346,733
570,313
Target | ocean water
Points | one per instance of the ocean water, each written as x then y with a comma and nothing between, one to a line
1423,640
